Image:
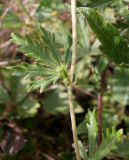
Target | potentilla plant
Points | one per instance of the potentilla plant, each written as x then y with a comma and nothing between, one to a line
50,67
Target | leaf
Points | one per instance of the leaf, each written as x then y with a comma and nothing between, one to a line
81,128
110,119
49,40
18,88
92,132
28,108
47,68
113,44
109,143
123,150
31,70
96,3
102,64
83,153
120,86
42,83
83,29
40,76
10,21
68,53
32,49
4,97
56,101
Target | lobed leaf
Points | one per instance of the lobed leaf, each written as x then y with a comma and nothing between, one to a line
113,44
96,3
49,40
92,132
68,53
42,83
108,144
32,49
28,108
30,71
83,153
4,96
120,86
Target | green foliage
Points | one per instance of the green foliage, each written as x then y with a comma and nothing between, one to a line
81,128
49,65
68,53
28,108
18,89
123,150
85,51
83,152
31,48
11,21
96,3
92,132
50,44
109,141
4,97
113,44
120,85
56,101
110,119
25,105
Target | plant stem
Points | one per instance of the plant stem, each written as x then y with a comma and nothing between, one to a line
73,122
100,103
99,118
69,88
74,37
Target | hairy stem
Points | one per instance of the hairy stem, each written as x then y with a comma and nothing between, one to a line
100,103
73,122
99,118
74,37
69,88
